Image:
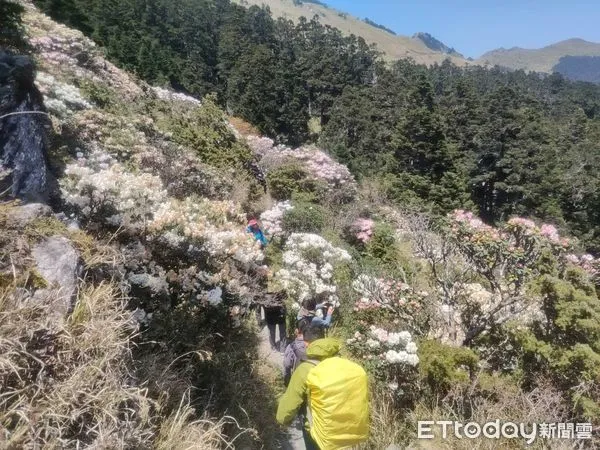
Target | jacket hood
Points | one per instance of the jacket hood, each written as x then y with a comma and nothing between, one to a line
323,348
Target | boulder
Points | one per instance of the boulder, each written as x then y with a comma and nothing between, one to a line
59,264
22,215
23,131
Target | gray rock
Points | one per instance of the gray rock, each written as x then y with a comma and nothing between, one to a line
60,265
23,136
24,214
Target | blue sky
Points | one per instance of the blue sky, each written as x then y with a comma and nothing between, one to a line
474,27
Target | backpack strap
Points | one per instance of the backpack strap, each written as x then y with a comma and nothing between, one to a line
315,363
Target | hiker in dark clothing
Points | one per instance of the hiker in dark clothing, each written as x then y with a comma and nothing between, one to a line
275,318
295,352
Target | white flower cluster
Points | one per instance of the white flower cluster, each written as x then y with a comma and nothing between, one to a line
68,54
215,226
215,296
308,263
369,288
273,218
394,348
61,99
167,95
263,146
95,186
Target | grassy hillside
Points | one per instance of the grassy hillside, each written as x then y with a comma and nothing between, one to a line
539,60
394,46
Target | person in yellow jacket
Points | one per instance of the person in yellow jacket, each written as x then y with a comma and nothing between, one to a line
293,402
333,394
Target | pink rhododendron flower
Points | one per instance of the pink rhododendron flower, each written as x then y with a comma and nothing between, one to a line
550,232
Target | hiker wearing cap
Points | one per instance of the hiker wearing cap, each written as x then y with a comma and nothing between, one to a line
258,234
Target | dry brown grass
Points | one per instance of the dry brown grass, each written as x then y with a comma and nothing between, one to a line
506,403
66,384
243,127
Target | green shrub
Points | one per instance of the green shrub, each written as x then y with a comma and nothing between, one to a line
99,94
443,367
11,28
205,130
287,181
304,218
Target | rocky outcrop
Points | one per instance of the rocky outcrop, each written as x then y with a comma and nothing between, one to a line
59,264
23,128
435,44
24,214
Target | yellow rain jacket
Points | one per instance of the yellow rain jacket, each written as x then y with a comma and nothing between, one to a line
336,393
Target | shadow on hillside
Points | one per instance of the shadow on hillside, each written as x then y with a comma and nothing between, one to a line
225,372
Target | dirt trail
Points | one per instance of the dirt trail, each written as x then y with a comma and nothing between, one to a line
292,438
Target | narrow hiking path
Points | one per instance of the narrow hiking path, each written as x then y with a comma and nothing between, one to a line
292,439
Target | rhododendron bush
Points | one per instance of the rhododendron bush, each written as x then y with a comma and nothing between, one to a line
111,193
507,258
383,347
272,219
362,229
308,265
215,226
388,301
390,356
317,163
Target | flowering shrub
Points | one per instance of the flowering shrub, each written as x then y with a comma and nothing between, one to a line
318,164
588,263
61,99
308,264
362,229
68,54
508,258
167,95
388,301
215,226
112,194
390,356
512,249
383,347
273,218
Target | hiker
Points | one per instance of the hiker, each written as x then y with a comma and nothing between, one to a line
309,311
332,393
258,234
275,318
295,352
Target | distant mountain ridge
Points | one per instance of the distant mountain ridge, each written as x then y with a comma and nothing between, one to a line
576,58
423,49
435,44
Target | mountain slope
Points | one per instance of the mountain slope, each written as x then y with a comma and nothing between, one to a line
540,60
394,46
435,44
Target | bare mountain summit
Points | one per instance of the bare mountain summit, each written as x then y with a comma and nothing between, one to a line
394,46
435,44
575,58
